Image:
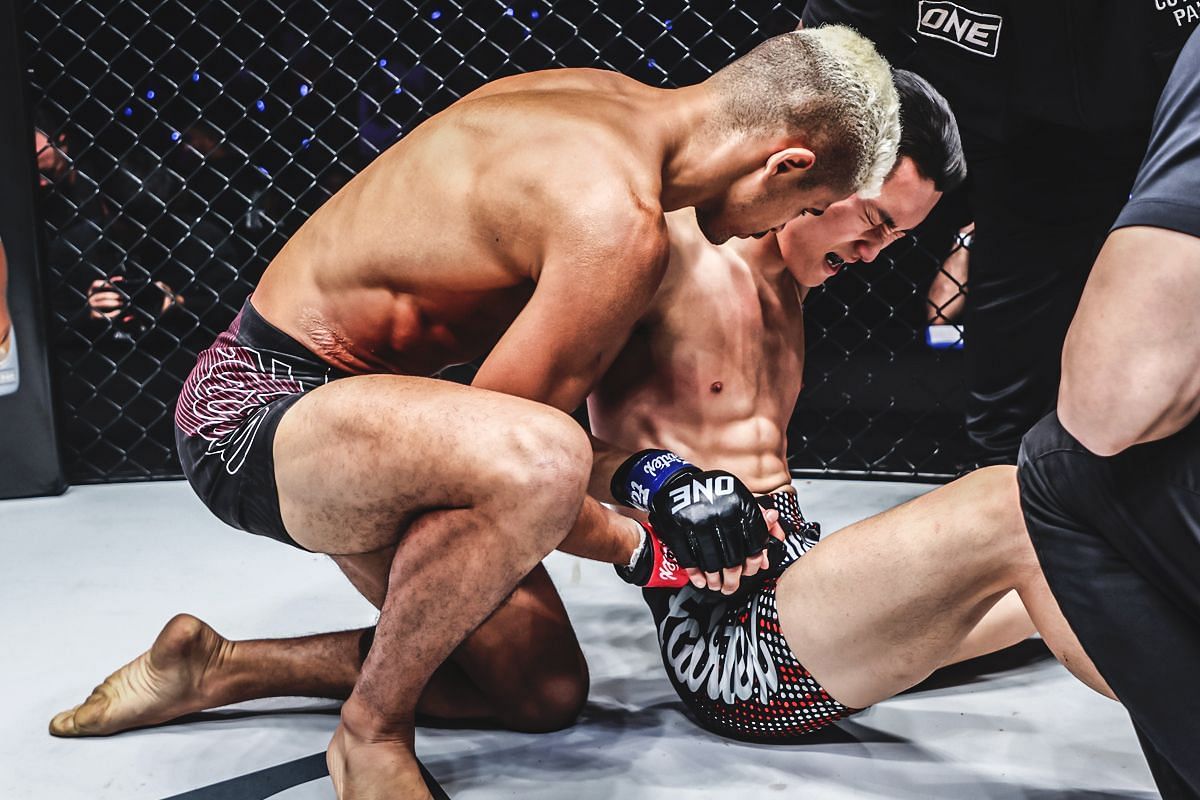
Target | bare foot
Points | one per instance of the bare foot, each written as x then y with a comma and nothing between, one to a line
165,682
362,769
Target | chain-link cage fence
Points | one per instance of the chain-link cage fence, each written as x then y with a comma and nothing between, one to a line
181,143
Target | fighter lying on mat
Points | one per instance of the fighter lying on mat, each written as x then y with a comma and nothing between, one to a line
908,589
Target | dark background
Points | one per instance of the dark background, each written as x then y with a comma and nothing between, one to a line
29,464
200,135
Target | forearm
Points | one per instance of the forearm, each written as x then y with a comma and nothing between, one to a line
606,457
601,534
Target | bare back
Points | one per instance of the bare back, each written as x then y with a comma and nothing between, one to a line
713,370
427,256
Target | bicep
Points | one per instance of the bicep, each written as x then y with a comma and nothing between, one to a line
1131,362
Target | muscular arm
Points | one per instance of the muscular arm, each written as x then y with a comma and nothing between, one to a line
586,302
1131,362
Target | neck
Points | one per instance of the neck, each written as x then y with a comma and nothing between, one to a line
762,255
702,157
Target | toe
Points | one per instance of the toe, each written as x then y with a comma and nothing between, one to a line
63,723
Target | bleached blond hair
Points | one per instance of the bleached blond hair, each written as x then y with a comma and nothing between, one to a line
827,87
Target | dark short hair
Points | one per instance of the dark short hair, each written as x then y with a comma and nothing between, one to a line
929,132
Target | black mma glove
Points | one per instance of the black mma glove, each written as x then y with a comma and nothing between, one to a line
708,518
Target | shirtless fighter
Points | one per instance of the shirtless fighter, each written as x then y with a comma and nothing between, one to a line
876,608
526,218
720,394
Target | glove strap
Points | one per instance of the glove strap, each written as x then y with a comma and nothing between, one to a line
640,477
653,565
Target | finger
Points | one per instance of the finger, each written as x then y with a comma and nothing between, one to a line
696,577
713,581
752,566
774,528
732,579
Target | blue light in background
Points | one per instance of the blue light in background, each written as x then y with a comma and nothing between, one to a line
260,105
150,94
652,64
305,142
399,90
195,77
668,24
304,89
127,111
436,15
174,136
383,62
508,12
263,170
534,14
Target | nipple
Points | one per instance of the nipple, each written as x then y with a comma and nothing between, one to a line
716,387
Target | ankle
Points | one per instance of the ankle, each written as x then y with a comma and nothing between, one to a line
362,721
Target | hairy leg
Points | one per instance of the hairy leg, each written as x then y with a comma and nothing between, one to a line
875,609
529,672
472,488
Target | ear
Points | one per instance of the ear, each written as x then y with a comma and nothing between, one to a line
790,160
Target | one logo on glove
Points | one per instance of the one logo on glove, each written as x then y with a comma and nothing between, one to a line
696,492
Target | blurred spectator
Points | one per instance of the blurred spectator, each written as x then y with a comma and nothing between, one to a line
220,184
146,274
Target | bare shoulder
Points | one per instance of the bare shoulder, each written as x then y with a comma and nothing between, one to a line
569,79
610,212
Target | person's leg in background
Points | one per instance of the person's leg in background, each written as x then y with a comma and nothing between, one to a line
1119,542
1042,204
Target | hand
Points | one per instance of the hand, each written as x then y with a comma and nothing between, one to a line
709,519
170,299
105,300
727,581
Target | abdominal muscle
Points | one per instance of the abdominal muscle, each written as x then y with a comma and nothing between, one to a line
752,447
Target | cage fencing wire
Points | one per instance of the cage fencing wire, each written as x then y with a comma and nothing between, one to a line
182,141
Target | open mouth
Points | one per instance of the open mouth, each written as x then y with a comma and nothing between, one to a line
834,262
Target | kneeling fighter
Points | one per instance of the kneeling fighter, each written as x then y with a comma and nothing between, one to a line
684,386
310,421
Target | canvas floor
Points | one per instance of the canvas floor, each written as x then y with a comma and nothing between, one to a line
89,578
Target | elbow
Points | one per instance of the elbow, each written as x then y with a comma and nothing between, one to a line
1096,420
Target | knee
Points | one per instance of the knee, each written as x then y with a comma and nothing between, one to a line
547,449
553,701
